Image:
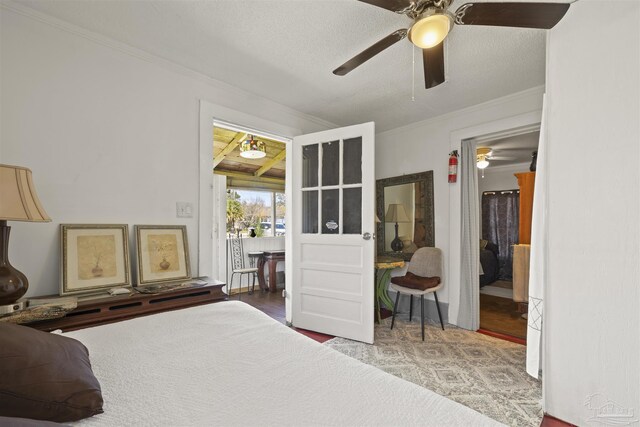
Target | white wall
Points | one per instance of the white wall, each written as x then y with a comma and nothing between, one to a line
111,133
500,178
592,300
426,145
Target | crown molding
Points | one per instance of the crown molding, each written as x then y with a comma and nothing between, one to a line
233,91
534,91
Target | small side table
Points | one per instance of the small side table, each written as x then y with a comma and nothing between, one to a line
254,257
383,266
270,258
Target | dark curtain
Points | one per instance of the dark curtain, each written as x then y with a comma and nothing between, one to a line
500,214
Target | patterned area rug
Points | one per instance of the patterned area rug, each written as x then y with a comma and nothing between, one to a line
484,373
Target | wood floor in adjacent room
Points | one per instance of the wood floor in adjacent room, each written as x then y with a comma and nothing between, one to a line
501,315
272,304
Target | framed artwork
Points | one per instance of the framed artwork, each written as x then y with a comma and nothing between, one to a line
94,257
163,253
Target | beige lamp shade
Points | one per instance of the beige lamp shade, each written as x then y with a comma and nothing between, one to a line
18,198
396,213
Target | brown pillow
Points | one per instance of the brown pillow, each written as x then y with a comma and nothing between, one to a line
412,281
45,376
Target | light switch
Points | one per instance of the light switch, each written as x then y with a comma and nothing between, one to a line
184,210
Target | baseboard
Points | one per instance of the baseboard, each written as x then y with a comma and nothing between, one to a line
244,289
505,337
431,312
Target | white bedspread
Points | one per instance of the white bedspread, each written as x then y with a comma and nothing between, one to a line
229,364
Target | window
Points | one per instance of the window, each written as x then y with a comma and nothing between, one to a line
259,212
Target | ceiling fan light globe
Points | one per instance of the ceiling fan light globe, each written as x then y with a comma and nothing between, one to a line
430,29
253,149
252,154
482,164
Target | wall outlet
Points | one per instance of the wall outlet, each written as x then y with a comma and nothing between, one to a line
184,210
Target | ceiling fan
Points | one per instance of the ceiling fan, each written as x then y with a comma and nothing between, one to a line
483,155
433,21
486,154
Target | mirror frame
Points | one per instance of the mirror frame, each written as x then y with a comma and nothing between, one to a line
427,179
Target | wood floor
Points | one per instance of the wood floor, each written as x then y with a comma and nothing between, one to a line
272,304
501,315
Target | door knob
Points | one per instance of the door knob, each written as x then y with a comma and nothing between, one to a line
366,236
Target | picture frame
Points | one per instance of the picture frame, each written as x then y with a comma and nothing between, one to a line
162,254
95,257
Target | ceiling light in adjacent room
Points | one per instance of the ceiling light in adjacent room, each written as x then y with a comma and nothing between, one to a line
482,164
482,154
430,28
253,149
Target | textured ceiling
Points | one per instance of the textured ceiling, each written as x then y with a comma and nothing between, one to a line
285,50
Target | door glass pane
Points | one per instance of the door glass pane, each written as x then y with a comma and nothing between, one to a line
310,166
330,211
310,211
331,163
352,211
352,163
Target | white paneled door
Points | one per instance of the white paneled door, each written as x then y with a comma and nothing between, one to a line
333,189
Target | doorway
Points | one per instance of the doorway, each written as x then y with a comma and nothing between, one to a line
502,164
349,148
249,175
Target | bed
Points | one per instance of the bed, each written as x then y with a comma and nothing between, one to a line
230,364
489,263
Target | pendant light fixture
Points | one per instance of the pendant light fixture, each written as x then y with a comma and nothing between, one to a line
253,149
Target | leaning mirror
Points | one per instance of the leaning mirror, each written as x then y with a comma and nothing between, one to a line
405,211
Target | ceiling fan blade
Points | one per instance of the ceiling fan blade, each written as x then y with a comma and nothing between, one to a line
370,52
392,5
523,15
433,63
503,158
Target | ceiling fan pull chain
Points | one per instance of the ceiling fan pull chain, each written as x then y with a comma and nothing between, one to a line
413,73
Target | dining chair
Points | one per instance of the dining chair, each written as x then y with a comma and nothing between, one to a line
424,276
236,250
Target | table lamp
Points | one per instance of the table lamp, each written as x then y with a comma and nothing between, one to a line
396,213
18,202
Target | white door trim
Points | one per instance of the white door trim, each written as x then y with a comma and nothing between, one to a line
207,250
